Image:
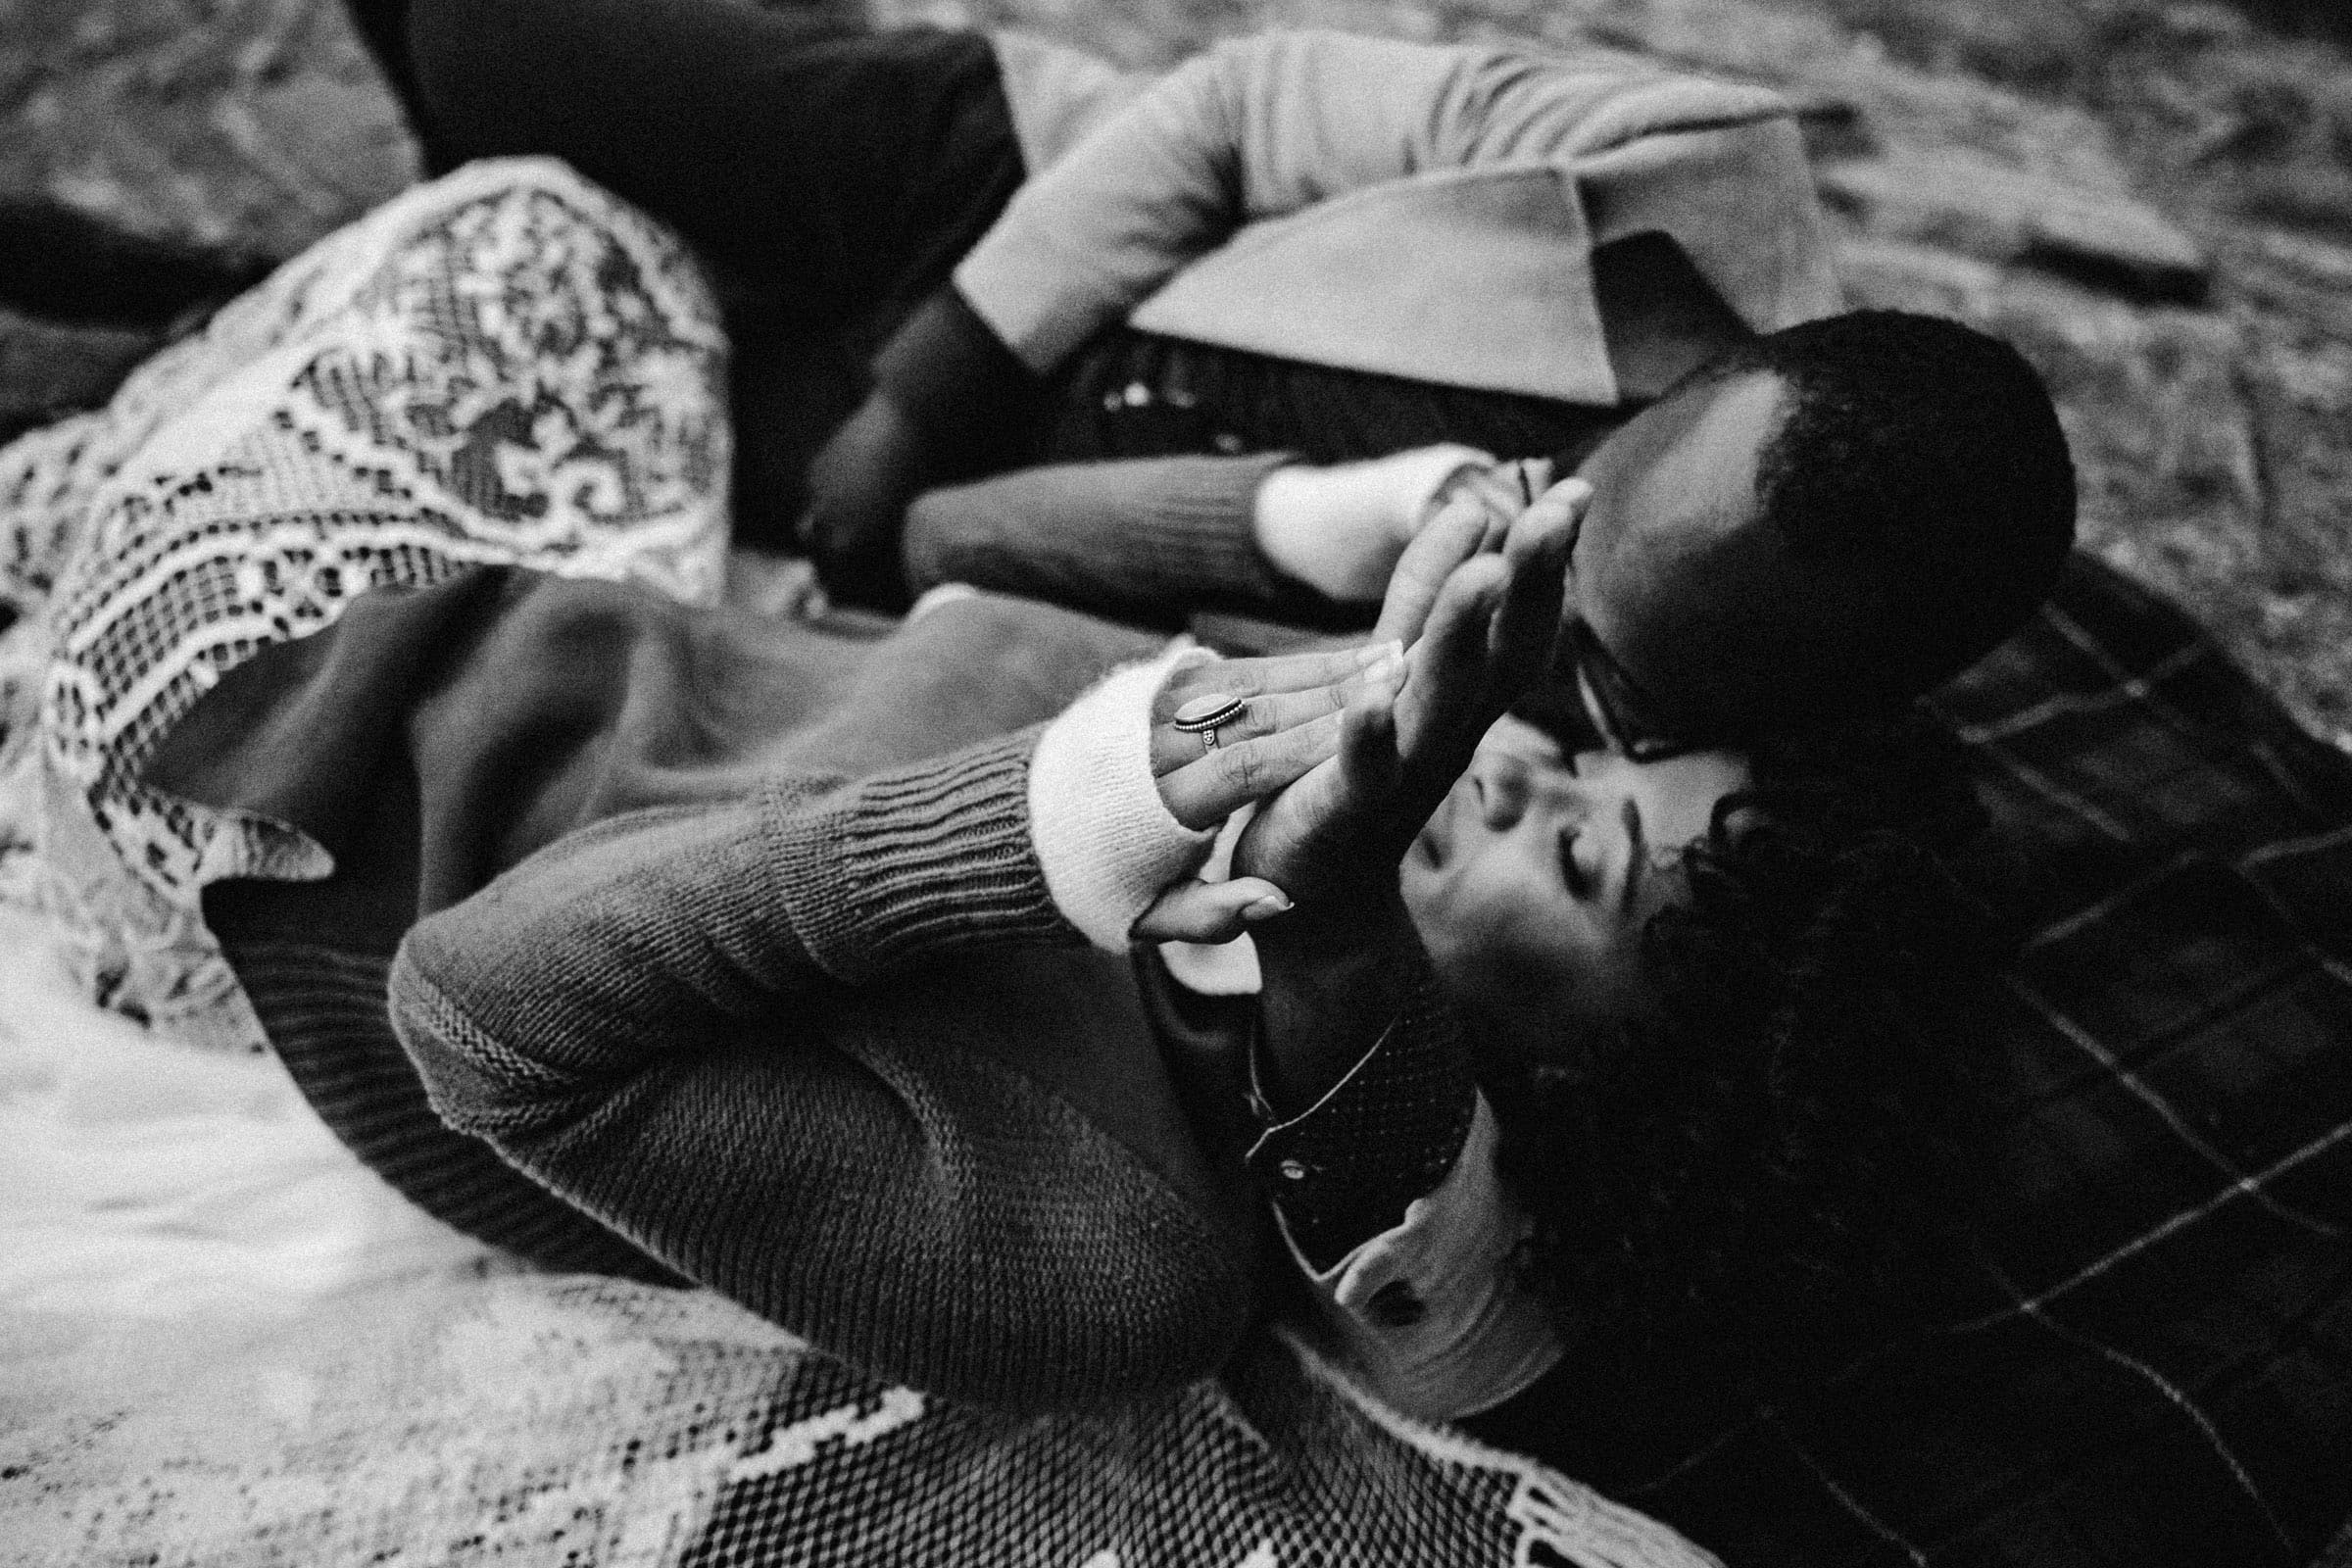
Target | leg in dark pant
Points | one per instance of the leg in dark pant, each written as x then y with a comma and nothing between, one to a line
830,178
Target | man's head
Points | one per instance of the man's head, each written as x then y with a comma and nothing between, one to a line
1818,526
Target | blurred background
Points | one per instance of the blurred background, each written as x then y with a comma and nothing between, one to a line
2152,200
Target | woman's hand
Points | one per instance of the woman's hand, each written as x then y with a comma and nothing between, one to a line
1477,596
1282,718
1275,719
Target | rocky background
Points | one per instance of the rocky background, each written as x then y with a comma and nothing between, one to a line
2153,201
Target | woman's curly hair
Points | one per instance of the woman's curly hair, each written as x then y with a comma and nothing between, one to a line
1736,1191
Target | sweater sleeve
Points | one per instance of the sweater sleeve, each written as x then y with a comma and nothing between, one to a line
655,1019
1136,537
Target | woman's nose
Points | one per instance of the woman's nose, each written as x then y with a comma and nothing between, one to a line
1503,783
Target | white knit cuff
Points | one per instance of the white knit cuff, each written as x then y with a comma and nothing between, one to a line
1106,842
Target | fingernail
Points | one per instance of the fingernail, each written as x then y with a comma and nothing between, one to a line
1265,908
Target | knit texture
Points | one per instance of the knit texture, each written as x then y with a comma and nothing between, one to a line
1139,539
324,1011
1107,842
919,862
626,1017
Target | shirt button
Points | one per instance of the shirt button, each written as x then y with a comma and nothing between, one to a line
1228,443
1138,394
1293,1170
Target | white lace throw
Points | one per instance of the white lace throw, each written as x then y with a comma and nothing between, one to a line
504,365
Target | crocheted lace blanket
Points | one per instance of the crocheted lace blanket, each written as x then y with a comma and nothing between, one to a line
507,366
504,366
531,1420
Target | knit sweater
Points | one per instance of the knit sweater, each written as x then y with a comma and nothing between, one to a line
933,1213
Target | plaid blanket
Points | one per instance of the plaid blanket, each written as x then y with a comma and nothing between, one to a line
2159,1368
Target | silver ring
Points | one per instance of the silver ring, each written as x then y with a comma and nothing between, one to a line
1203,716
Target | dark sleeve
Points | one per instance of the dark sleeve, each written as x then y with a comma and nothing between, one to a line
949,373
1138,537
658,1018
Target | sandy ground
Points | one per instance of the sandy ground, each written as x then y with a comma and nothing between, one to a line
2154,201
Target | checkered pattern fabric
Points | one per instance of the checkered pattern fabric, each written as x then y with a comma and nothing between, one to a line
2159,1367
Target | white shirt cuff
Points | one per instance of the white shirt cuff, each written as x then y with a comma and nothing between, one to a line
1105,840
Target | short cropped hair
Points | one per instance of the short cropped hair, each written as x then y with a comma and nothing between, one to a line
1734,1192
1915,502
1931,446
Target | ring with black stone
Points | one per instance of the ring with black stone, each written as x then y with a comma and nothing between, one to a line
1202,714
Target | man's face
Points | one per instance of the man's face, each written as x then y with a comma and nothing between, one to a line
1665,543
1532,881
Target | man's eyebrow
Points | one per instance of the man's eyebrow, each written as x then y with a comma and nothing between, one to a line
1636,859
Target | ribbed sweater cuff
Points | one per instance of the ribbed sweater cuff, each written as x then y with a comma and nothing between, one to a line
928,858
1106,842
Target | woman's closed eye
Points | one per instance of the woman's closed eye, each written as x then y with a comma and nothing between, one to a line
1637,856
1579,869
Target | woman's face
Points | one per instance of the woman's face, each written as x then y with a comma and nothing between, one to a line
1531,882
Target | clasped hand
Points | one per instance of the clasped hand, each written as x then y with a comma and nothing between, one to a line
1346,753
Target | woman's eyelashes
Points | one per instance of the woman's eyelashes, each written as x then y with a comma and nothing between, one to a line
1578,879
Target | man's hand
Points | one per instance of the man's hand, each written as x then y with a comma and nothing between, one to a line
1479,608
1341,529
859,486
